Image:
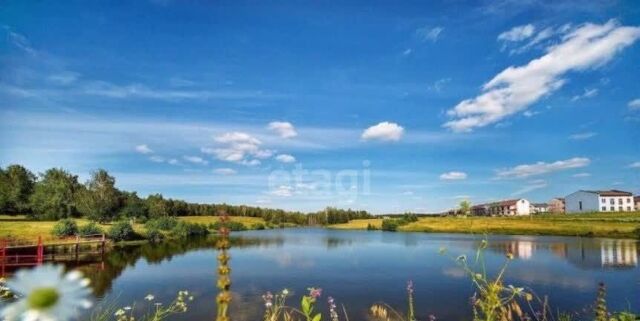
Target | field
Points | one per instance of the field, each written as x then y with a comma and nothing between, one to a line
619,225
20,228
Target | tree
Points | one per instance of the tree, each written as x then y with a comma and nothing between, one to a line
4,191
465,207
157,206
53,197
18,186
99,200
133,206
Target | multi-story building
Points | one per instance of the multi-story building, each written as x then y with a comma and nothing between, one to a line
599,201
507,208
556,205
539,208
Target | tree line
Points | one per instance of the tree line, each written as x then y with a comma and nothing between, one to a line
57,194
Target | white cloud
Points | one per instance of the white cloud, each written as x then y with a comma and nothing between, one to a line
384,131
439,84
157,159
539,168
224,171
450,176
529,113
173,161
282,191
143,149
64,78
283,128
429,34
515,88
240,148
581,175
533,185
407,52
285,158
634,104
634,165
195,159
588,93
518,33
582,136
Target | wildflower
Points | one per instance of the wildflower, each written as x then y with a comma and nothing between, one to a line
46,293
119,313
285,292
149,297
127,308
268,299
432,317
315,293
510,256
410,287
332,309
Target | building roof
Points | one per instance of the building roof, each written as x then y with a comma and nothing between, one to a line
540,205
612,192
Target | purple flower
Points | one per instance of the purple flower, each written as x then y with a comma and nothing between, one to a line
432,317
332,304
315,293
410,287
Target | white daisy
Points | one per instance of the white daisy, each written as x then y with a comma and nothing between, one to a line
149,297
47,294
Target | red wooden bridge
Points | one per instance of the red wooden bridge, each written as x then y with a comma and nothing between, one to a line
15,254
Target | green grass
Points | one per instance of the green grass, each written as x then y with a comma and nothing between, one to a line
619,225
21,228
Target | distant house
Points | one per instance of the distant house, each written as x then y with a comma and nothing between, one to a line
599,201
507,208
538,208
556,205
636,200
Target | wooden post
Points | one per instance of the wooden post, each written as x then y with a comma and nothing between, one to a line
77,246
40,250
3,253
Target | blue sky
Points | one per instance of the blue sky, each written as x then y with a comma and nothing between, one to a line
381,106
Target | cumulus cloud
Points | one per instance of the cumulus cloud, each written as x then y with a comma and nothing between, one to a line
173,161
518,33
195,160
239,147
539,168
634,104
282,191
283,129
453,176
582,136
516,88
384,131
634,165
224,171
429,34
143,149
285,158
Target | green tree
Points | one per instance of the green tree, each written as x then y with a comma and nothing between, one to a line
133,206
465,207
99,200
53,197
4,192
18,186
157,206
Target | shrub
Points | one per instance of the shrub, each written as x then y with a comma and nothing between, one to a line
65,227
90,229
122,231
233,226
371,227
165,223
389,225
258,226
154,236
186,229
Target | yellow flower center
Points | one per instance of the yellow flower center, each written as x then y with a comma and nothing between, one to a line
43,298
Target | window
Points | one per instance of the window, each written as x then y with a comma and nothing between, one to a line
628,200
612,208
629,208
620,201
612,201
604,200
604,208
580,205
620,208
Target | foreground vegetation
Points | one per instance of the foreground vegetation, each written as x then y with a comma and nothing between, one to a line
618,225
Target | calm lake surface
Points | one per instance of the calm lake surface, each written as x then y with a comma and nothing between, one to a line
359,268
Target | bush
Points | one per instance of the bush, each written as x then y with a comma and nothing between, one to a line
122,231
389,225
65,227
186,229
233,226
371,227
258,226
165,223
90,229
154,236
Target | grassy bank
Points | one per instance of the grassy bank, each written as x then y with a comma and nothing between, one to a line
618,225
21,228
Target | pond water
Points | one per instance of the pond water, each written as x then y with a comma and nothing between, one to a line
359,268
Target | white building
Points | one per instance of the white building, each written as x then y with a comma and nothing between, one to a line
507,208
539,208
599,201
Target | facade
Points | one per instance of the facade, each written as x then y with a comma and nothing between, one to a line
556,205
636,200
539,208
505,208
599,201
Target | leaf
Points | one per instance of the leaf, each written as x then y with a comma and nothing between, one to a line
306,305
317,317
